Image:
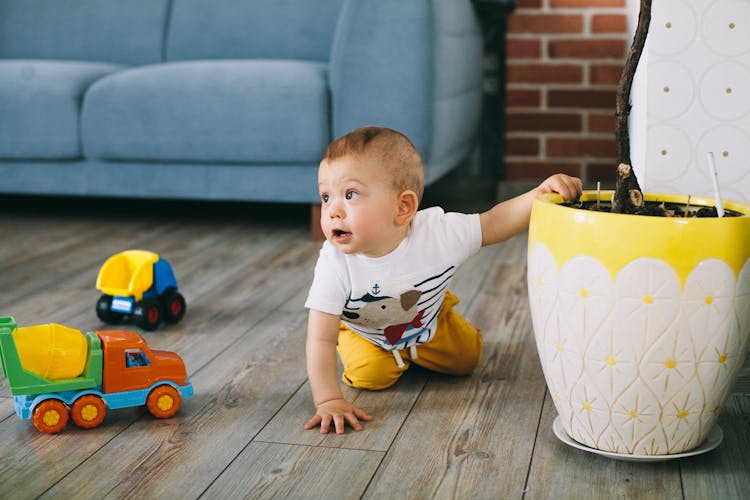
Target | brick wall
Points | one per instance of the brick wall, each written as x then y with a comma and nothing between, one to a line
564,60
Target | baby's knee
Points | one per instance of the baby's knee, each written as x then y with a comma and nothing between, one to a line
466,364
371,376
468,359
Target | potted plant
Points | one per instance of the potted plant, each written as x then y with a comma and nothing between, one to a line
641,321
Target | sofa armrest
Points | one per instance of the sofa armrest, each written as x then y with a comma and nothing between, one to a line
415,66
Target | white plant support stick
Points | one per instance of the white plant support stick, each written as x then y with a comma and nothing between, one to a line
715,179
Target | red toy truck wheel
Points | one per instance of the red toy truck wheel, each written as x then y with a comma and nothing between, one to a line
163,401
50,416
174,305
88,411
147,314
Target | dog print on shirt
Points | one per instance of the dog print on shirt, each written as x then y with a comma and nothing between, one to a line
396,320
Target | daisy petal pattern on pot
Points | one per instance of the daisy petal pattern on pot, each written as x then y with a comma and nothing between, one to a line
708,310
669,363
543,284
590,412
635,420
611,364
586,296
681,419
583,300
648,301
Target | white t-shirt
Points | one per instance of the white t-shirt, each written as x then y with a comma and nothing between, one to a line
393,301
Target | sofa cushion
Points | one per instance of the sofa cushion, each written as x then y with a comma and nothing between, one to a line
221,111
126,32
250,29
40,105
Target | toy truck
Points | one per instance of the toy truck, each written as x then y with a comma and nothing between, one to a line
138,285
54,371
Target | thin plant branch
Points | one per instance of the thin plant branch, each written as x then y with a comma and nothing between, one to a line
628,197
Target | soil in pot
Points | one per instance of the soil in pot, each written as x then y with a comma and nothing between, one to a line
656,209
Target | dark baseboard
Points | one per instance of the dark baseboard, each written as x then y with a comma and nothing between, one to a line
459,193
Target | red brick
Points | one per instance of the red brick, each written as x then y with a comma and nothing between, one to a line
587,49
528,4
522,146
537,170
523,48
545,23
609,23
606,173
522,98
587,3
544,73
543,122
581,146
605,74
602,124
586,98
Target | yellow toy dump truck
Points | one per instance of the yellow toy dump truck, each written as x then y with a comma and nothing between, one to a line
55,372
138,285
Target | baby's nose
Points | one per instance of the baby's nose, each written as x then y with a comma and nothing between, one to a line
336,210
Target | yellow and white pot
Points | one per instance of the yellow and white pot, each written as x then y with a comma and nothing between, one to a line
641,323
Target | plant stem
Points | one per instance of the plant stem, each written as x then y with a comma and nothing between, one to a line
627,191
622,102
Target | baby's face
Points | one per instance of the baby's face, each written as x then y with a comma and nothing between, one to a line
358,207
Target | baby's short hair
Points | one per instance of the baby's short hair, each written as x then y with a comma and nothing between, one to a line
390,148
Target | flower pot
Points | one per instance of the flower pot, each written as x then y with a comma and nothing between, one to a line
641,323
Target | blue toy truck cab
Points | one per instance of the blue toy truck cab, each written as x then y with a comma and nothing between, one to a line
138,284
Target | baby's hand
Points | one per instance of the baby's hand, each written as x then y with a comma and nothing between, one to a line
570,188
341,412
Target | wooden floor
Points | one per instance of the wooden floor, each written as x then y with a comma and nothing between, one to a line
245,271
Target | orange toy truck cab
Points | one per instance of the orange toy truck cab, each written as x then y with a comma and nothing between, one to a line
130,365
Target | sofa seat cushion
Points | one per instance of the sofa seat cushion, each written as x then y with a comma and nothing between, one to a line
40,106
245,111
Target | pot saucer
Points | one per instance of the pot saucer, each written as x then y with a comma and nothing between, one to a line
712,441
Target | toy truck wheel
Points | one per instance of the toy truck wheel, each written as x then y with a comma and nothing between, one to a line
50,416
163,401
174,305
88,411
147,314
104,310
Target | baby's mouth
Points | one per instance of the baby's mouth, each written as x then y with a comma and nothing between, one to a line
340,234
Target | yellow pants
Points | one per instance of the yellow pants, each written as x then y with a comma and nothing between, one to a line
455,349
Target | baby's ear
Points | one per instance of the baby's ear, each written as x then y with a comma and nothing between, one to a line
408,202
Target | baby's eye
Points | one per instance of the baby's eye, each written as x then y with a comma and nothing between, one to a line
324,198
350,195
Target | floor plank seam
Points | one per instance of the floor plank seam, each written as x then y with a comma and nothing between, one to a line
397,434
682,481
533,446
281,407
304,445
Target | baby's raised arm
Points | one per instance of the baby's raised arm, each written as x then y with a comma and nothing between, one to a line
510,217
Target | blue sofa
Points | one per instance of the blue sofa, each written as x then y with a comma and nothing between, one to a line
225,99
